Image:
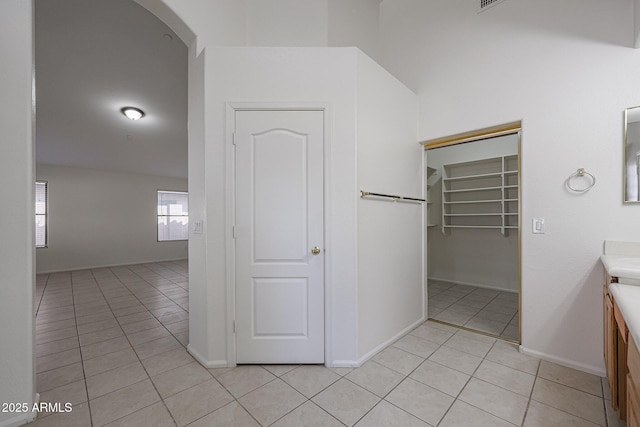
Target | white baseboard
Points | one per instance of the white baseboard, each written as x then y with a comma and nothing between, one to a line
343,364
378,348
24,417
16,421
594,370
109,266
209,364
477,285
19,420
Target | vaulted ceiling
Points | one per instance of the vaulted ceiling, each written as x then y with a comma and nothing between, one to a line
94,57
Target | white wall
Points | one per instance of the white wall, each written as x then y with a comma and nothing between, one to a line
314,23
210,22
355,23
272,22
285,73
201,319
390,255
479,257
566,70
98,218
285,78
287,22
17,361
338,23
562,67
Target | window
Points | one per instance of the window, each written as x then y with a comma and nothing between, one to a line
41,214
173,215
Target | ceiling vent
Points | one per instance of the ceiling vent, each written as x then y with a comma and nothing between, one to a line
486,4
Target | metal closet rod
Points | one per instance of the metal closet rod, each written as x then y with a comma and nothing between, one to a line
364,194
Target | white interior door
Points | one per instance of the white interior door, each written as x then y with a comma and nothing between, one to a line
279,237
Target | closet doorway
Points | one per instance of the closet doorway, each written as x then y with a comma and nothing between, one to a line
473,230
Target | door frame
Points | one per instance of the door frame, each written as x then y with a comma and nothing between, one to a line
230,213
511,128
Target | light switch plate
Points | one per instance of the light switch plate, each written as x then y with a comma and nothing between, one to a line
538,225
197,227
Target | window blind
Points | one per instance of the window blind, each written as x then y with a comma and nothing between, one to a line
173,215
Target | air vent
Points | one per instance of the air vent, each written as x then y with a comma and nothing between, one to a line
486,4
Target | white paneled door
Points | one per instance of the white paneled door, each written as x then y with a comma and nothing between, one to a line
279,236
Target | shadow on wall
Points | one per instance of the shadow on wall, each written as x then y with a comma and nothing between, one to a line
548,16
560,338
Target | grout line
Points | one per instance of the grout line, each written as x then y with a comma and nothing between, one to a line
141,364
84,374
467,383
122,281
461,297
140,360
237,399
604,404
109,306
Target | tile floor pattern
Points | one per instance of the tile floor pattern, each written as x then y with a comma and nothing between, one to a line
484,310
111,342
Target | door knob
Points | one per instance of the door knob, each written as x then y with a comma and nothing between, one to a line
315,250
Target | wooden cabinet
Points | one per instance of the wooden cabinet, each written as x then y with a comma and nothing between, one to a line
633,404
622,361
633,385
481,194
610,345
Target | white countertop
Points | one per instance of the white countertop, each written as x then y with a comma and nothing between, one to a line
622,260
623,266
628,299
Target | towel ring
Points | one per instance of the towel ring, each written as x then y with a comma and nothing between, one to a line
579,174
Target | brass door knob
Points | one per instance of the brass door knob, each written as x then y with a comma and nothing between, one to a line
315,250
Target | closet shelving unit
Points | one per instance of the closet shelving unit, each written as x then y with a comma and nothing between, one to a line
481,194
431,178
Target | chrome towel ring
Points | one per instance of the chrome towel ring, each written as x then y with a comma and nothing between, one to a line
581,173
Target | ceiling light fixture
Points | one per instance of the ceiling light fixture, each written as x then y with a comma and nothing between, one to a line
132,113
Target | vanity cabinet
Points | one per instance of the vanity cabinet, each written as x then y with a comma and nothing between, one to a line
610,344
633,385
622,360
622,327
615,350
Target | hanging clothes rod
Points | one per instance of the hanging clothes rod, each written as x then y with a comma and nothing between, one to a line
364,194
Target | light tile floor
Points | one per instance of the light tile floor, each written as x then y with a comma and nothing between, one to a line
485,310
111,343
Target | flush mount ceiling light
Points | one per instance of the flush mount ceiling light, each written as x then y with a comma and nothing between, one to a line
132,113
